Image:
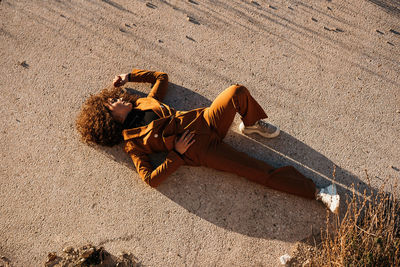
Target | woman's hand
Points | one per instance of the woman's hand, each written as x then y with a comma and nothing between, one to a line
120,80
184,142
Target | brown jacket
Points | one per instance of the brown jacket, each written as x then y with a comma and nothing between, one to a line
160,134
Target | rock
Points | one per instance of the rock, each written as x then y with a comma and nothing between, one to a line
150,5
4,258
51,256
314,19
86,254
127,255
395,32
191,19
121,254
255,3
24,64
190,38
82,260
378,31
68,250
4,262
285,259
52,259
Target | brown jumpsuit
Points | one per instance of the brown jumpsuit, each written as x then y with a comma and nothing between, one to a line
209,125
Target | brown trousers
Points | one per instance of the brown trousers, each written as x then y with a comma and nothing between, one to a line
221,156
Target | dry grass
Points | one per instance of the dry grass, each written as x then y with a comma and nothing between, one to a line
368,235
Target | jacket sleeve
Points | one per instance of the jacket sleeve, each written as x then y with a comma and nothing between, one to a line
159,81
154,177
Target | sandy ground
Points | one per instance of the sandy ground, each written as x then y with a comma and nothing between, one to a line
327,72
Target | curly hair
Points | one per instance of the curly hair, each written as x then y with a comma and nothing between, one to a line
95,123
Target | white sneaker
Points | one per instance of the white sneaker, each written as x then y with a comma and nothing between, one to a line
262,128
330,198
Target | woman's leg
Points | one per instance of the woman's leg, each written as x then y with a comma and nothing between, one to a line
286,179
236,98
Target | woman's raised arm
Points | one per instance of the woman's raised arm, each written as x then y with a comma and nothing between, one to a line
159,81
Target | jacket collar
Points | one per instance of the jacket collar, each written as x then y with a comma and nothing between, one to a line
136,132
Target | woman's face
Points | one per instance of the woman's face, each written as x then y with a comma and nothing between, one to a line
119,108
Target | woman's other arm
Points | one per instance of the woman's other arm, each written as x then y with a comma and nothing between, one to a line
159,81
173,161
154,177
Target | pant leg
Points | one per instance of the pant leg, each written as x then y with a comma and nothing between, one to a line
286,179
236,98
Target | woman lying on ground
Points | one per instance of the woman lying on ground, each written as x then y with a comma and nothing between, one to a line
195,137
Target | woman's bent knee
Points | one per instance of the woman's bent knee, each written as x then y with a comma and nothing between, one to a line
238,89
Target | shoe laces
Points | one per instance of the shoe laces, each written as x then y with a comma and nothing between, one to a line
263,125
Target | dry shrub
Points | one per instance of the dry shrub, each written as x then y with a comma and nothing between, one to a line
368,235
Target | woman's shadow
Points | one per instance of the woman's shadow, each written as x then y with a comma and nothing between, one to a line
237,205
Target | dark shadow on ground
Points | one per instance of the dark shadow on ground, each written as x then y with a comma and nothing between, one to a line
240,206
390,6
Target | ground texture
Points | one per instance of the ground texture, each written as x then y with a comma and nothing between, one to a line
327,72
